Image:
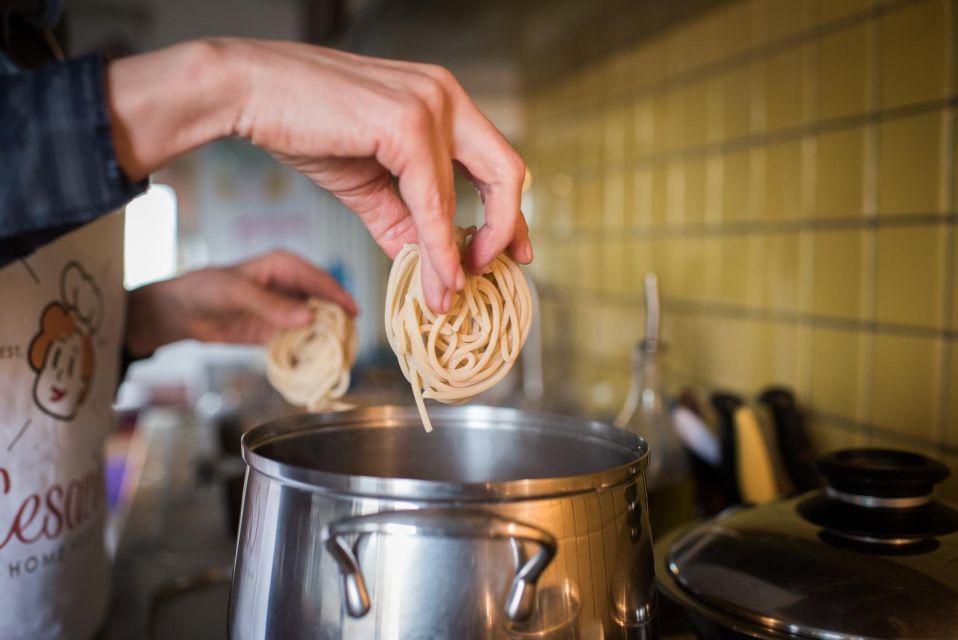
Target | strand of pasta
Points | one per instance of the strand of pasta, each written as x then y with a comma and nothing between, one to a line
310,366
455,356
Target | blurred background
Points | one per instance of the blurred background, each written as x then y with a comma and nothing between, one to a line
787,168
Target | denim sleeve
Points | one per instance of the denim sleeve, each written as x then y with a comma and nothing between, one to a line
58,168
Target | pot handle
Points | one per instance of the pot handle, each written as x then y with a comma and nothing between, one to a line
444,523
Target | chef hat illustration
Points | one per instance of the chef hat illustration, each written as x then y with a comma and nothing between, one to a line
82,296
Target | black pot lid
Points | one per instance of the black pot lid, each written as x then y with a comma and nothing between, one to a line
829,564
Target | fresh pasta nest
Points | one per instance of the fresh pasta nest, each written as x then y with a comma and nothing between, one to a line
310,366
455,356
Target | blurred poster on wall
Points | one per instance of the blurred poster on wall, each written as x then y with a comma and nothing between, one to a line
247,204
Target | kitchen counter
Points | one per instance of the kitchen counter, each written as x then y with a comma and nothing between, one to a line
172,545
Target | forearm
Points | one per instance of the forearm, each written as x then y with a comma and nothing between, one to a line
167,102
153,319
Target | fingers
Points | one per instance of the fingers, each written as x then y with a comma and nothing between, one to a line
419,153
371,195
375,201
427,189
438,297
283,272
277,310
498,172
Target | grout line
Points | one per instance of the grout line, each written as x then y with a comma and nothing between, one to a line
808,199
870,206
589,168
741,312
712,69
561,352
763,139
950,257
744,227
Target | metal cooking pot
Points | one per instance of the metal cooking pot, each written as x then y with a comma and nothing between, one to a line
872,556
500,524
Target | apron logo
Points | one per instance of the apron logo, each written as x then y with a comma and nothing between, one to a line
61,353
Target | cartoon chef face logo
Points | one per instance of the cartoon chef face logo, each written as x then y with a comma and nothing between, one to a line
62,351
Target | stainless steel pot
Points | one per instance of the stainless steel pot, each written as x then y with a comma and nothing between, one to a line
499,524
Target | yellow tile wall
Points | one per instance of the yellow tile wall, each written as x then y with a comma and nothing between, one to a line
788,168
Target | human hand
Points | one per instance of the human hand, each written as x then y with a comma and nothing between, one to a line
348,122
246,303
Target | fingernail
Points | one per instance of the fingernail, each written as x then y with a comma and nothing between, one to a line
527,253
447,301
460,279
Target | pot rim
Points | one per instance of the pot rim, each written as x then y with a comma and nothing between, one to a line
472,416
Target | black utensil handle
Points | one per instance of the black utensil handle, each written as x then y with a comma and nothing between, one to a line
725,405
795,448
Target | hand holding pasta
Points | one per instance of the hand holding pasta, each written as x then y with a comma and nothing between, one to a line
310,366
455,356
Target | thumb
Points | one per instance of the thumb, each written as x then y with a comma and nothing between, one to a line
276,309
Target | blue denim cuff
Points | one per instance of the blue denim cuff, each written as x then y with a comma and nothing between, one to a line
56,152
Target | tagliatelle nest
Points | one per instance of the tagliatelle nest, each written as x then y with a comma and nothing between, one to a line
310,366
455,356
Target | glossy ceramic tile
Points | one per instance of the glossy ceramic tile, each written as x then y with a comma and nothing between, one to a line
767,159
660,195
641,214
695,43
777,358
839,173
782,271
589,206
618,136
736,102
910,275
695,195
830,10
838,274
914,61
643,125
843,72
837,372
952,284
783,181
910,177
615,266
696,265
736,183
735,271
588,265
696,114
786,18
828,436
758,99
675,198
616,197
641,259
785,88
905,392
714,109
951,424
732,25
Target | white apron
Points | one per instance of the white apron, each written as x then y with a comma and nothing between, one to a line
61,321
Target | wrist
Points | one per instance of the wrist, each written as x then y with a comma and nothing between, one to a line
149,321
167,102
